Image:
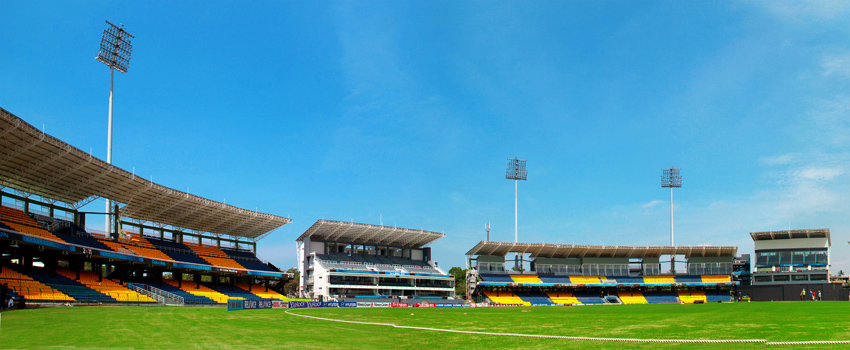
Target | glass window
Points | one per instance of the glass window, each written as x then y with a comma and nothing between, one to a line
800,278
763,279
781,278
818,277
785,257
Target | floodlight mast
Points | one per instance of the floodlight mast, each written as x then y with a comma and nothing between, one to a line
671,178
115,51
516,171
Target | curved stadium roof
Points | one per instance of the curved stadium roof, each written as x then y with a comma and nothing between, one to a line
350,232
39,164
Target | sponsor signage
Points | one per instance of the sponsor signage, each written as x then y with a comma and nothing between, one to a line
399,304
234,304
279,304
304,304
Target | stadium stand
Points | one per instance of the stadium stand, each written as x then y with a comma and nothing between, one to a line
41,228
688,279
691,296
214,256
505,298
534,297
525,279
17,220
260,291
589,298
585,280
500,278
177,251
554,279
199,290
248,260
30,288
68,286
659,279
171,287
660,297
626,279
716,279
560,297
107,287
714,296
233,293
334,254
632,297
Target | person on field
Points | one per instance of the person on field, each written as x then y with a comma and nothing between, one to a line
820,296
4,294
802,294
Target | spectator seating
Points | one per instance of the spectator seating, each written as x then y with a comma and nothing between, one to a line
233,293
634,297
691,296
554,279
716,279
86,241
30,288
248,260
585,280
497,278
189,298
505,298
76,290
525,279
261,292
626,279
589,298
688,279
177,251
214,256
534,298
660,297
563,298
15,219
107,286
200,290
713,296
659,279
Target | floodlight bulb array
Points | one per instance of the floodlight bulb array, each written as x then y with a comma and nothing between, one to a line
671,178
116,48
516,169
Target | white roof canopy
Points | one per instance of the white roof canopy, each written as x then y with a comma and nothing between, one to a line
544,250
789,234
350,232
39,164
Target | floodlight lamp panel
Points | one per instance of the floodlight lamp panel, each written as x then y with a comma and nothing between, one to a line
671,178
516,169
115,48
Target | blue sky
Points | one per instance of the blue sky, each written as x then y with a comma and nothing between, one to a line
409,111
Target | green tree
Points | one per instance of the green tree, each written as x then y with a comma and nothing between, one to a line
460,280
291,287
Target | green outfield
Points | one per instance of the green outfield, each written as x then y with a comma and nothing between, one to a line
216,328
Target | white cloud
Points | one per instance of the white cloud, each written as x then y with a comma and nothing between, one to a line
803,10
836,65
780,159
819,174
651,204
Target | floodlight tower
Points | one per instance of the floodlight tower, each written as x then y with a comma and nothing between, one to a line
115,51
671,178
516,171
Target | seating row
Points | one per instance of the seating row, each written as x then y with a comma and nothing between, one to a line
544,279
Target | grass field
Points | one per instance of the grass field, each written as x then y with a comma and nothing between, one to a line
216,328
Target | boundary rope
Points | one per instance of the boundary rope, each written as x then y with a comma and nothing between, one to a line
556,336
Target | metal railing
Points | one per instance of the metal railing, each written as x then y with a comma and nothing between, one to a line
161,296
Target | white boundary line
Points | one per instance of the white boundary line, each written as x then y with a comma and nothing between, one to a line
550,336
